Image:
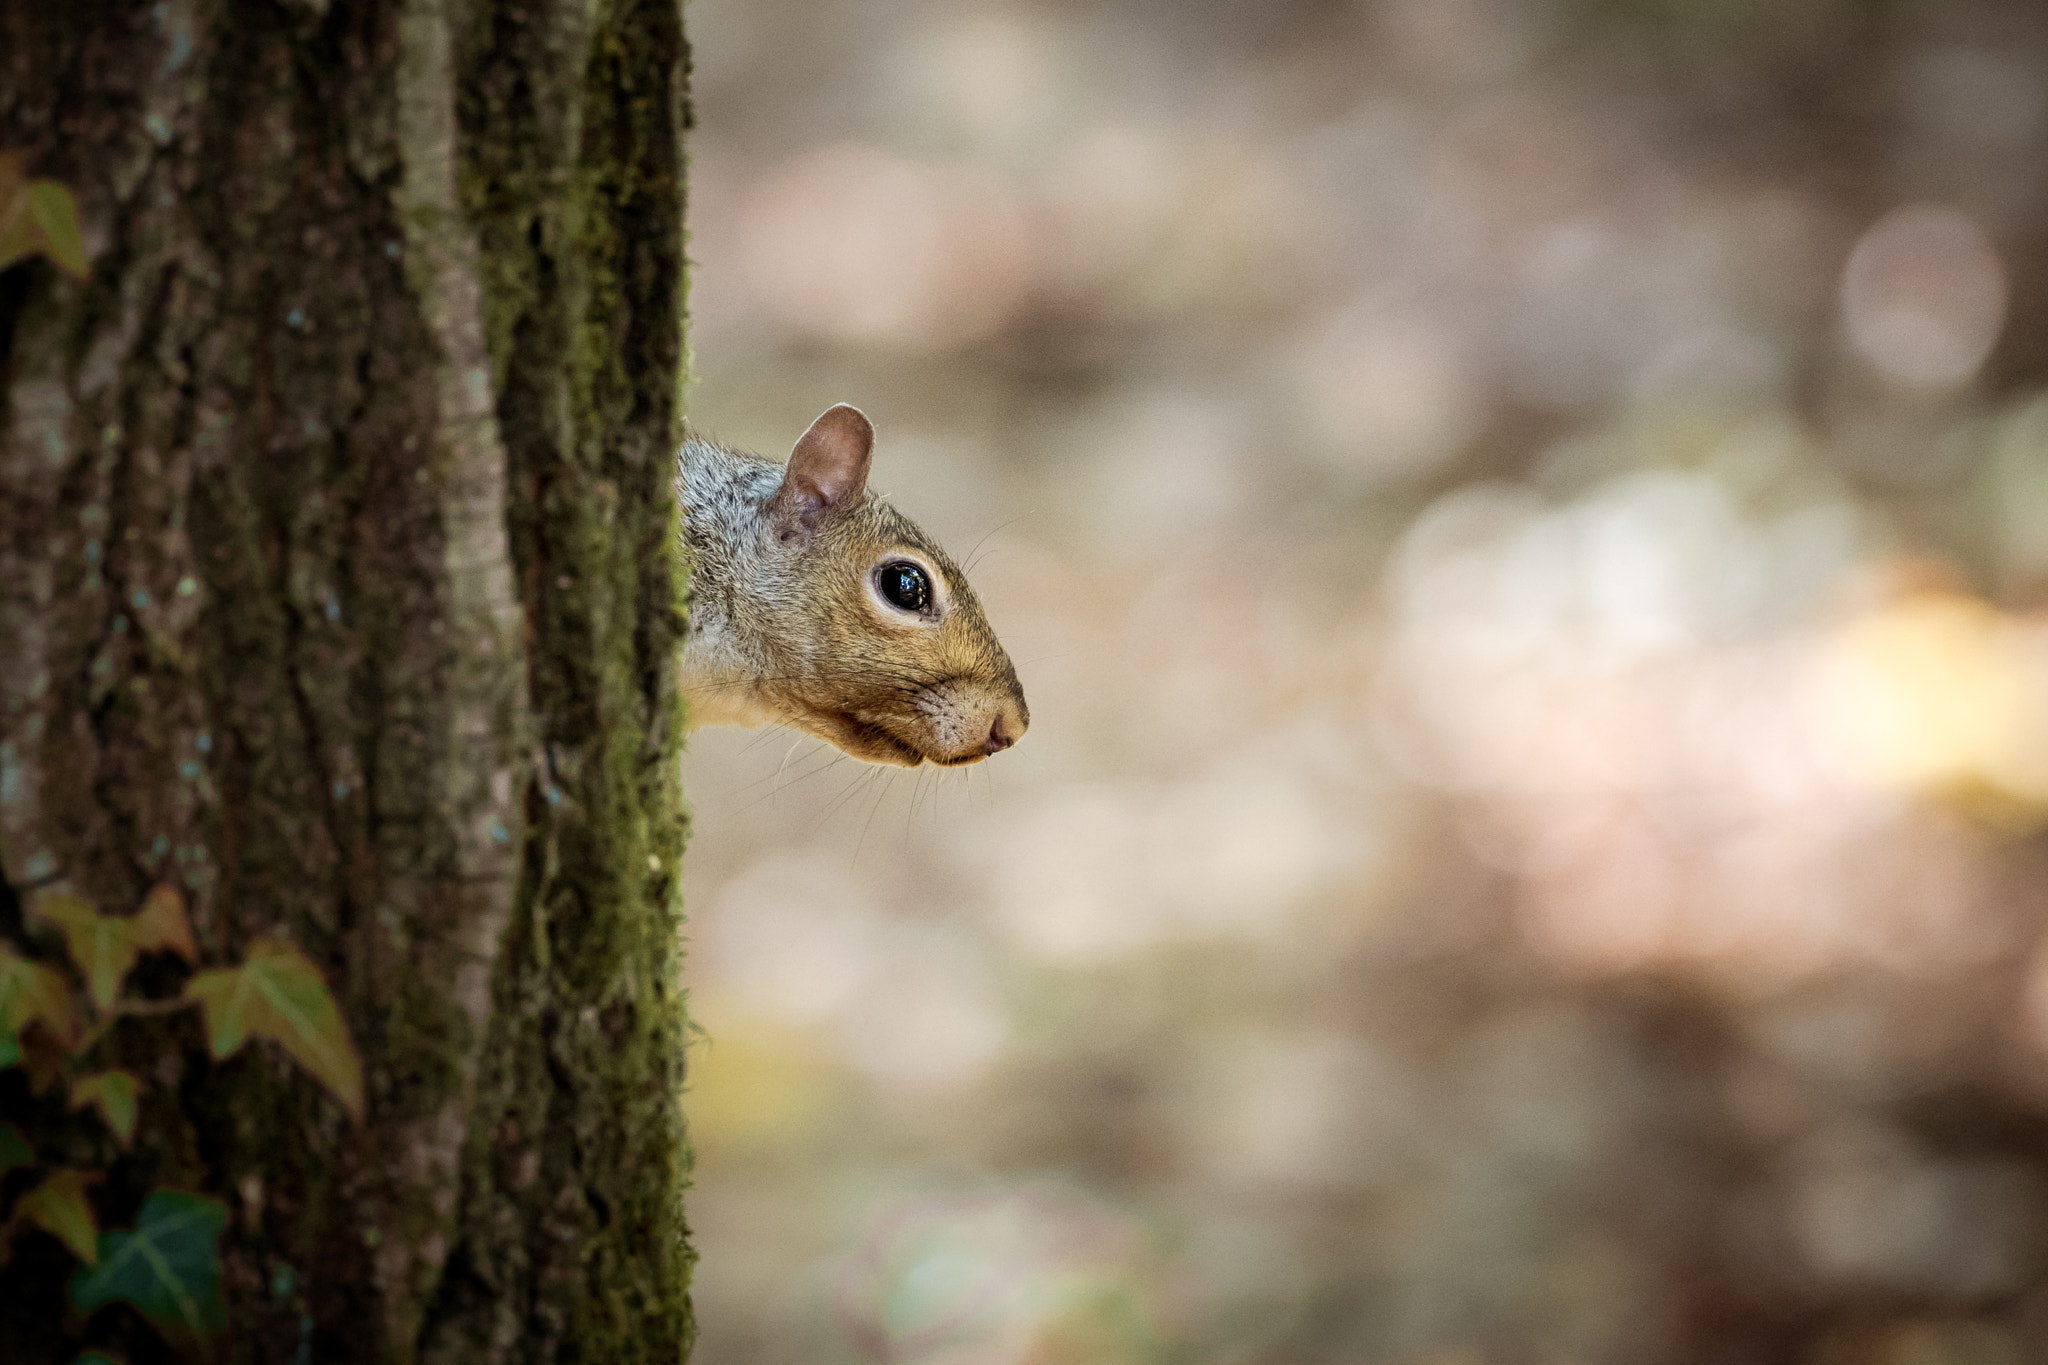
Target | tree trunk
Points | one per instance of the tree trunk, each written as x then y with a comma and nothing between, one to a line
340,590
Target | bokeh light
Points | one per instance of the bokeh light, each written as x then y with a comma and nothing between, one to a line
1923,296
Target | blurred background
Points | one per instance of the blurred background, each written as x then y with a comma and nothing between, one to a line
1525,530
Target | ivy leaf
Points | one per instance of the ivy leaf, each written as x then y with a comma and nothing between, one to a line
161,923
31,993
279,994
14,1149
168,1267
10,1049
96,1358
101,945
105,946
38,216
56,213
58,1207
114,1093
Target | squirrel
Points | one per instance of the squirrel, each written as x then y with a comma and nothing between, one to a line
815,604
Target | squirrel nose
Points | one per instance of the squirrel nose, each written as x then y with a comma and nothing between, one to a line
1000,736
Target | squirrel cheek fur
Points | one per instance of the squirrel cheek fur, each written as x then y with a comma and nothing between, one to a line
792,621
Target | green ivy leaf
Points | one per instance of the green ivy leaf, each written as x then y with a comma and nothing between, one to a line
14,1149
100,944
56,213
114,1094
58,1207
30,993
168,1267
279,994
10,1049
96,1358
38,216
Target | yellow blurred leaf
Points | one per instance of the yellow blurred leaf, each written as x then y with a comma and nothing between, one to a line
279,994
101,945
58,1207
32,993
113,1092
1940,691
162,924
755,1084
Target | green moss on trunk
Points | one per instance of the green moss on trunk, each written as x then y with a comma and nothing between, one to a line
579,1122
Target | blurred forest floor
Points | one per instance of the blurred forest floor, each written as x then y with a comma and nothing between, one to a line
1525,530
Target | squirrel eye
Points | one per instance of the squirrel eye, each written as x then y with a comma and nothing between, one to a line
905,585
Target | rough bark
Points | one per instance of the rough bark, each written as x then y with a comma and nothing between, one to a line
339,588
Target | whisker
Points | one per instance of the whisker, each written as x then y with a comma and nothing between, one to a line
837,803
881,791
972,555
831,756
761,736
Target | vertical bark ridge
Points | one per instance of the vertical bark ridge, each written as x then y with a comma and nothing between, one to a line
583,269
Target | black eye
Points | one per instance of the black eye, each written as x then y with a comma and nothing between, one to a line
906,586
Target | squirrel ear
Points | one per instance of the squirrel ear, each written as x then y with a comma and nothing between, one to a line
828,470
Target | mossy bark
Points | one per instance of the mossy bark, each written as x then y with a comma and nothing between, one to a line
339,588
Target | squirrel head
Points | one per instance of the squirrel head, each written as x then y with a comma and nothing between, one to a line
818,605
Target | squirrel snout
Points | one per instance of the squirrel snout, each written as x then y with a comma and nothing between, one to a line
1004,729
1002,734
